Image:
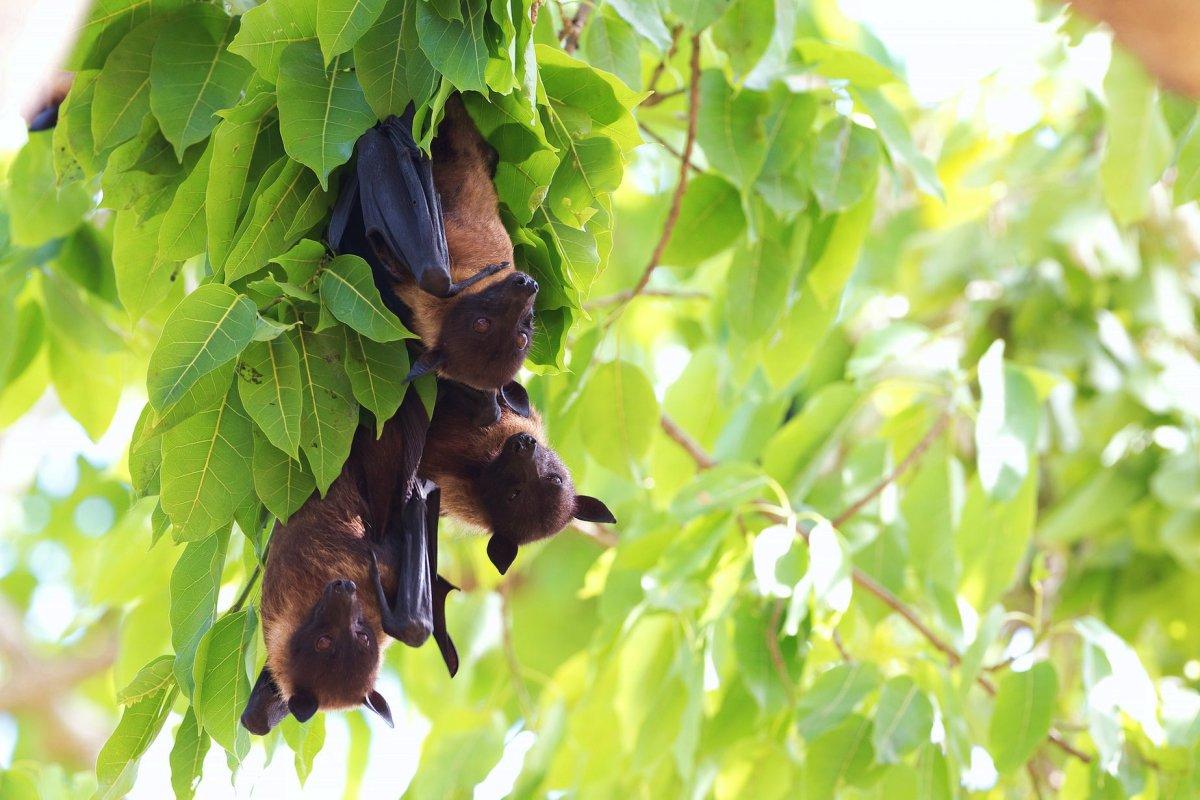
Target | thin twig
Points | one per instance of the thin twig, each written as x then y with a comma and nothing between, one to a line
679,436
661,97
241,600
680,186
661,66
909,460
665,145
574,27
776,652
841,647
625,296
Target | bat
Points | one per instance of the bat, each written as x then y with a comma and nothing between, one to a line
431,230
325,635
501,478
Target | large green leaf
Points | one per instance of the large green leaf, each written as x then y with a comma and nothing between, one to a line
744,32
350,294
122,96
845,164
376,371
183,226
193,74
1021,717
903,719
142,719
833,696
270,388
282,212
699,14
187,756
730,128
458,48
206,469
144,277
322,110
222,687
38,209
760,281
341,23
330,413
391,67
208,328
268,29
306,740
611,44
1138,148
842,755
622,413
281,482
195,583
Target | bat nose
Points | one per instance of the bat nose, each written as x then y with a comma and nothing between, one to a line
345,587
525,282
523,442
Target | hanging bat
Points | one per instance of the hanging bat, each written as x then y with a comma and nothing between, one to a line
346,572
439,252
501,478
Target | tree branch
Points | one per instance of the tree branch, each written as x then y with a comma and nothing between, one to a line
679,436
680,186
572,28
665,145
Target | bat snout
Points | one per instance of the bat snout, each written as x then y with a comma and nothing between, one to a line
341,588
524,284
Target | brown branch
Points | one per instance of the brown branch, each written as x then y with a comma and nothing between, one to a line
665,145
680,186
679,436
776,652
572,28
661,66
907,463
661,97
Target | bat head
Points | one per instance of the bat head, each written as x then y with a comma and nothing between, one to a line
330,662
485,334
528,495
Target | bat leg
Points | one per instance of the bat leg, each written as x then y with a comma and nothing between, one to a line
408,617
466,283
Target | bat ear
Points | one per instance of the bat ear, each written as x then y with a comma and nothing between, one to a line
592,510
376,703
501,552
303,705
429,361
265,708
516,398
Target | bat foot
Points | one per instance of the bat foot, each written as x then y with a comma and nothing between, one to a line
411,629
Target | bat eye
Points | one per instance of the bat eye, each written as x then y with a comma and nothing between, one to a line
556,480
364,639
522,341
514,494
482,325
324,643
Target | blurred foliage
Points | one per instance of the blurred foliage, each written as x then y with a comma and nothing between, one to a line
902,432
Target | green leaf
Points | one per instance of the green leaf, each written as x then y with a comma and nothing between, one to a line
193,74
1021,717
117,764
842,755
389,62
341,23
77,314
270,389
1006,430
585,101
992,539
187,756
150,680
208,327
730,129
697,15
322,111
38,209
306,740
234,143
744,32
903,719
590,169
845,164
376,371
1138,148
622,412
760,281
89,395
646,19
195,584
268,29
1187,166
843,64
611,44
349,292
798,444
330,413
144,277
183,230
222,687
270,228
206,469
122,97
282,483
74,147
893,130
456,48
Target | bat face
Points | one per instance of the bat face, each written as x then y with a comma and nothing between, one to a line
486,334
333,657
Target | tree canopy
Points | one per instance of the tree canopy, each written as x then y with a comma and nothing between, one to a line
899,412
